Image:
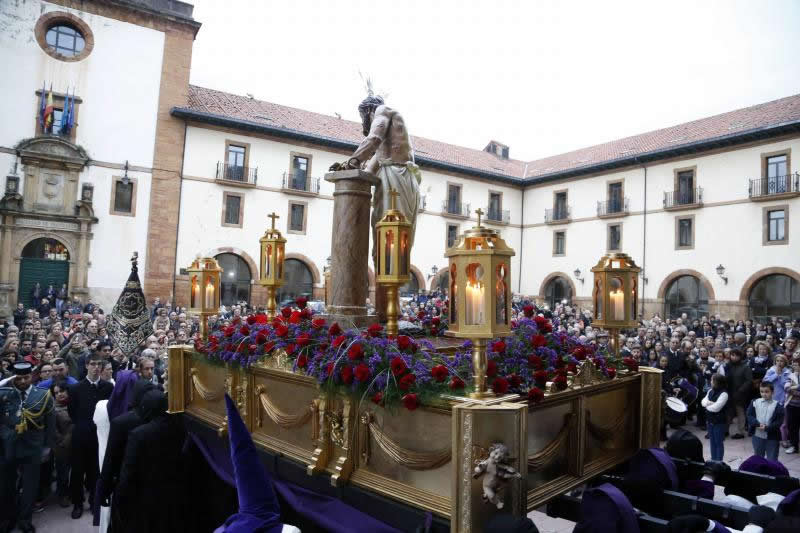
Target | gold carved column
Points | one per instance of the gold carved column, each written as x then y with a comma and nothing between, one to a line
650,408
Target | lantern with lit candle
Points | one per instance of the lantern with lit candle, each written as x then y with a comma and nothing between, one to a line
480,294
204,275
615,295
273,247
394,257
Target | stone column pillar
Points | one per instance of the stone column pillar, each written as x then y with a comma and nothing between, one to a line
350,246
6,287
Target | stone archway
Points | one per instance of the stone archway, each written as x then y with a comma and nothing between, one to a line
744,295
241,253
309,263
550,277
662,289
439,277
417,273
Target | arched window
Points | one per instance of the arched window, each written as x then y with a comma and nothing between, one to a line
46,262
235,281
686,295
775,295
65,39
410,288
298,281
557,290
46,249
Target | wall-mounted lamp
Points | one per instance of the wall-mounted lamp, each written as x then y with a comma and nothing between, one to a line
721,273
434,270
578,275
125,179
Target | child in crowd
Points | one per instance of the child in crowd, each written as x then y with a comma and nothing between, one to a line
764,418
714,403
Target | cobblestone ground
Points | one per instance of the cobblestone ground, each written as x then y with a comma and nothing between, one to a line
54,519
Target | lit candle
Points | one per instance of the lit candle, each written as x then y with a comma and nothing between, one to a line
479,302
209,295
617,299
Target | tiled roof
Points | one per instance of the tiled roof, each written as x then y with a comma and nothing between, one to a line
274,115
774,113
758,117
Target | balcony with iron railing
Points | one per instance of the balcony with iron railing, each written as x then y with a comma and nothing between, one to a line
498,216
300,184
557,215
615,207
455,209
683,199
237,175
776,187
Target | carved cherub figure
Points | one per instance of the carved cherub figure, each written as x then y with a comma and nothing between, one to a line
495,471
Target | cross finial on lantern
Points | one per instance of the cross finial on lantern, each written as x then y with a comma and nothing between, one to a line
479,212
273,216
393,194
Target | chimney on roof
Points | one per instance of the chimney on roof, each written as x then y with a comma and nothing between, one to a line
497,148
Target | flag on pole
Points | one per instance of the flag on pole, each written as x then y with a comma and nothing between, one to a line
63,128
48,112
42,107
71,122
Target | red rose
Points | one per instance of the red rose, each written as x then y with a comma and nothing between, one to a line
229,347
543,324
631,363
251,320
244,330
439,373
398,365
500,385
560,382
375,330
290,348
306,313
318,323
514,381
560,363
261,319
329,369
403,342
338,341
572,367
377,398
268,347
229,331
561,372
528,311
410,401
456,383
498,346
356,351
579,353
301,302
241,348
253,348
294,317
406,382
491,369
534,361
302,361
261,338
435,321
334,329
421,315
347,375
286,312
537,341
304,339
281,330
535,395
362,373
540,377
612,372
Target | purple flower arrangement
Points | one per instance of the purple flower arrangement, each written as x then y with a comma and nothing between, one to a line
400,370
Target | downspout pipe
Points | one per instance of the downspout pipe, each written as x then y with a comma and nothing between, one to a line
180,195
644,242
521,230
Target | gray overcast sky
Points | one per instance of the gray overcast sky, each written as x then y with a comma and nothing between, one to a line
543,77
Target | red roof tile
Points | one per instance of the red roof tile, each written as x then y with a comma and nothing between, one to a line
774,113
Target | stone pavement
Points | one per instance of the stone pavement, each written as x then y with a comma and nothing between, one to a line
54,519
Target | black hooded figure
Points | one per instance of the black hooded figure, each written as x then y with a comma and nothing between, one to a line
151,481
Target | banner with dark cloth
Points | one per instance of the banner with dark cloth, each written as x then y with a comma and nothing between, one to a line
129,324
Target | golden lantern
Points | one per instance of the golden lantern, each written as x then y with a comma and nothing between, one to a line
204,274
394,257
273,251
615,295
480,294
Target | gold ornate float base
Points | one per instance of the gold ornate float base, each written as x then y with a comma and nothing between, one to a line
426,458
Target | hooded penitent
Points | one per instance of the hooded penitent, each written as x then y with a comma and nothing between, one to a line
129,324
605,509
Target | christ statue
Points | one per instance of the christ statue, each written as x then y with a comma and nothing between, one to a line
387,153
